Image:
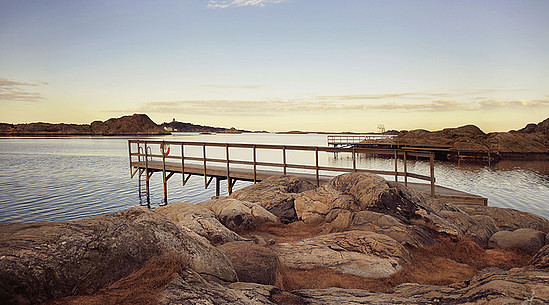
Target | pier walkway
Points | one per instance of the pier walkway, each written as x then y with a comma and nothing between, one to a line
198,159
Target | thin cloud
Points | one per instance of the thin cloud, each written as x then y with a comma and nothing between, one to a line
241,3
420,95
12,90
273,106
498,104
215,107
383,96
214,86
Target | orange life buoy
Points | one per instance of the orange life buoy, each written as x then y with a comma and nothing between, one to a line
166,149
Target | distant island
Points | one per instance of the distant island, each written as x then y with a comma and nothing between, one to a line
530,142
175,126
130,125
137,124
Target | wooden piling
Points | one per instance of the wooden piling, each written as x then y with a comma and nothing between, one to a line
396,166
405,170
432,173
229,189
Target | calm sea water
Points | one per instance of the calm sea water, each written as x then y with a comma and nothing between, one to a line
46,179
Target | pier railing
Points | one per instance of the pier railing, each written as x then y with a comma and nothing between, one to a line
181,160
337,140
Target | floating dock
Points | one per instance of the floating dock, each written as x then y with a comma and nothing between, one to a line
144,163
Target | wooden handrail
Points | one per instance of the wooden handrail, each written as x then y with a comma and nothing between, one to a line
284,164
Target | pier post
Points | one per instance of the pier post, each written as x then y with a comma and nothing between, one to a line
284,157
231,183
317,173
354,160
147,176
130,151
164,180
147,184
183,164
255,164
229,190
217,186
432,174
204,157
405,171
396,166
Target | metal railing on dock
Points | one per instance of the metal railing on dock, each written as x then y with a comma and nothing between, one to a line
143,161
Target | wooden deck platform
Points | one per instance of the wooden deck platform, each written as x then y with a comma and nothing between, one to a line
450,195
247,174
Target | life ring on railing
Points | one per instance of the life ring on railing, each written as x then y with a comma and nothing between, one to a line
166,149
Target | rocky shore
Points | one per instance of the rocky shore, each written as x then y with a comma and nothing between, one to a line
358,239
530,142
137,124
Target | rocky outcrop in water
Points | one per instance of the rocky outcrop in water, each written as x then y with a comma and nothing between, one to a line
137,124
529,142
188,127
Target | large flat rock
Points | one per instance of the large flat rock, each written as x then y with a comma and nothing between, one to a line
200,220
361,253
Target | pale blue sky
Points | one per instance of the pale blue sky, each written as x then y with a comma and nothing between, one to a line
277,65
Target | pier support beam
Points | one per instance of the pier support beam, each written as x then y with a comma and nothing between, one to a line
230,184
405,171
148,176
432,174
396,166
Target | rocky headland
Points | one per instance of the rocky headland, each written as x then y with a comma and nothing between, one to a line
357,239
137,124
530,142
188,127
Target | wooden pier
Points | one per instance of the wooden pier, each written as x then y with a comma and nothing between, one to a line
184,159
442,151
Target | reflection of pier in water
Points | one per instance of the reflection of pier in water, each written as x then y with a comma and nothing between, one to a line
183,160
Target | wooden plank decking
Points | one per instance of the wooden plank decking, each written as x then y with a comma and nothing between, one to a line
246,174
450,195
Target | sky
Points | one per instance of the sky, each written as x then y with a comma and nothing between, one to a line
277,65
